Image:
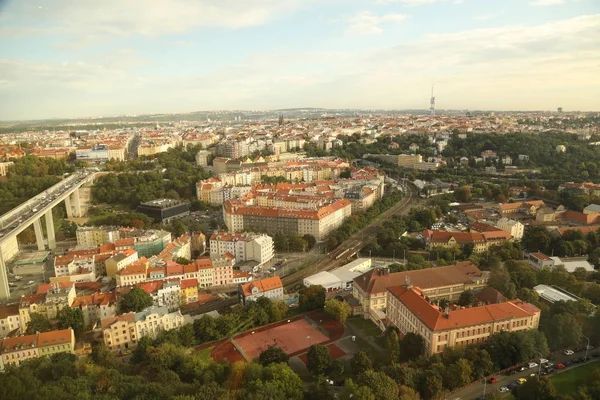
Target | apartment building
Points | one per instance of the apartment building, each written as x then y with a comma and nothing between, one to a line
513,227
189,291
446,282
270,287
124,331
48,301
119,261
92,236
133,273
4,167
410,310
223,270
318,223
96,307
165,293
13,351
480,241
525,207
9,319
243,246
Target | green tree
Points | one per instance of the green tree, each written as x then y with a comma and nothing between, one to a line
38,323
205,329
272,355
408,393
360,363
312,298
459,373
338,310
319,359
467,298
431,385
382,386
564,330
136,300
70,318
412,346
463,194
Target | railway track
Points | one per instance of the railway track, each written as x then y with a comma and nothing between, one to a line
352,245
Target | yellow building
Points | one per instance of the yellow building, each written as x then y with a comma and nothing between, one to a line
14,351
410,310
189,291
48,301
119,332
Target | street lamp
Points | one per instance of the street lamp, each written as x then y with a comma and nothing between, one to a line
586,347
540,364
309,341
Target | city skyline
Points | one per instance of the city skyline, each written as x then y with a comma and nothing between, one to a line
66,59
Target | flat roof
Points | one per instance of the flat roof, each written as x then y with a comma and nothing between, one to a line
571,266
553,294
323,278
33,258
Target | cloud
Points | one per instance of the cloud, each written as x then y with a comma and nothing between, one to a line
367,23
410,2
547,2
142,17
483,17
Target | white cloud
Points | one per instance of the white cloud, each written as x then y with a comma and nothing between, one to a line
367,23
483,17
143,17
410,2
547,2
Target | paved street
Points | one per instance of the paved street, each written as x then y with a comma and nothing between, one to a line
476,390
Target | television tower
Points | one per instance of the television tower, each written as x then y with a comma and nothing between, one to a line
432,102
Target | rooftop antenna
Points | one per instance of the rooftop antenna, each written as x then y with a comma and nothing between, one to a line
432,102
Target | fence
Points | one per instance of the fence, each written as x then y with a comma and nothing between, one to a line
314,323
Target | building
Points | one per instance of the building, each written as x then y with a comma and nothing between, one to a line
560,149
96,307
243,246
9,319
202,158
270,287
92,236
189,291
164,210
525,207
539,261
514,228
133,273
119,332
437,283
339,278
410,310
480,241
153,320
48,301
592,209
318,222
14,351
552,294
4,167
119,261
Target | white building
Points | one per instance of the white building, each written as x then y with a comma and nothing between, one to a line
515,228
9,319
340,278
243,246
270,287
153,320
91,236
553,294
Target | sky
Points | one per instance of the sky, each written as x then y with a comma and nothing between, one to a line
90,58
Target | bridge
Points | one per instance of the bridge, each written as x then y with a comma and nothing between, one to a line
31,212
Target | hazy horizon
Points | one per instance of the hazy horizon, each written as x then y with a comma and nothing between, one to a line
67,59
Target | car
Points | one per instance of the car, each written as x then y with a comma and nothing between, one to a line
543,373
30,282
569,352
504,389
560,366
550,370
510,372
543,361
492,380
521,381
568,363
523,368
127,352
513,385
532,375
532,365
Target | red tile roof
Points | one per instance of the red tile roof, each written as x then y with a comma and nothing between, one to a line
188,283
264,285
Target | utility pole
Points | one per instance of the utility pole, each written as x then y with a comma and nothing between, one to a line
586,347
484,385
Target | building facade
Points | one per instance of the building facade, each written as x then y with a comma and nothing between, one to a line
270,287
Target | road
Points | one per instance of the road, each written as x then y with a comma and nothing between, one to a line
353,244
475,390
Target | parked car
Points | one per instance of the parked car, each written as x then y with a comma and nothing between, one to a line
568,363
543,361
30,282
513,385
569,352
492,380
532,365
523,368
504,389
521,381
560,366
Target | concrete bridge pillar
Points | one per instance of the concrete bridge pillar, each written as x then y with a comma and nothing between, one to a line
50,230
39,235
68,206
4,288
77,203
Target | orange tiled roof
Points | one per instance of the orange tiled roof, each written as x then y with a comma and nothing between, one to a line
53,338
188,283
263,285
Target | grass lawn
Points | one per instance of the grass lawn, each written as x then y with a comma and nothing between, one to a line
205,354
568,382
377,356
364,325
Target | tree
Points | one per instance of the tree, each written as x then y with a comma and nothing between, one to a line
594,258
136,300
382,386
360,363
467,298
320,388
408,393
319,359
346,173
463,194
338,310
312,298
411,346
564,330
393,346
272,355
70,318
431,385
182,261
205,329
536,389
459,373
38,323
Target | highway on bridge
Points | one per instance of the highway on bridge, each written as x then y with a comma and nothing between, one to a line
19,218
